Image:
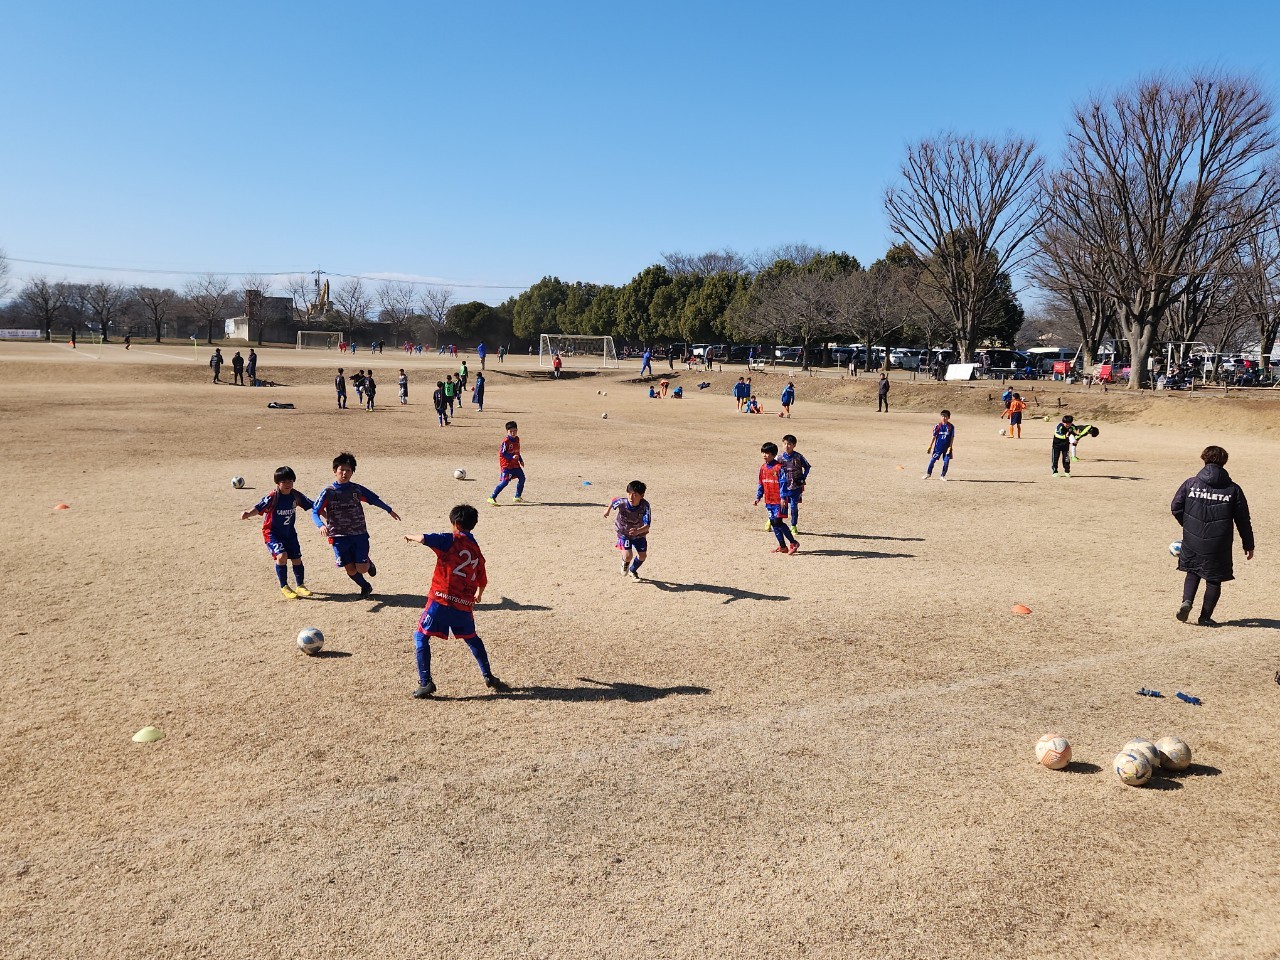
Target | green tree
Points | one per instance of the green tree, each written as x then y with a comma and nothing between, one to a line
635,320
537,310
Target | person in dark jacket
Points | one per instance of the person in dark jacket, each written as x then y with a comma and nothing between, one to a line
1208,505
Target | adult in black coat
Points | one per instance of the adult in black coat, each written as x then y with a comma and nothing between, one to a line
1208,505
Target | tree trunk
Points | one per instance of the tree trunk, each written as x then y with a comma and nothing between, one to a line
1140,334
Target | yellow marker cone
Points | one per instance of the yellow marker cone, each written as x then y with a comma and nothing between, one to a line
148,735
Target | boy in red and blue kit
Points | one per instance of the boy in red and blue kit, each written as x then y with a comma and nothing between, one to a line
339,513
797,470
279,531
510,465
632,526
773,490
456,587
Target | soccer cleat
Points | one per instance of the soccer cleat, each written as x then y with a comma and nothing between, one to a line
634,575
778,550
301,591
496,685
793,547
768,524
794,529
373,569
625,568
1184,611
492,502
927,476
425,691
288,594
1204,621
517,499
366,589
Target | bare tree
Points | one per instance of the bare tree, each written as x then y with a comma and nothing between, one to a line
801,254
4,276
352,304
876,305
156,303
435,307
796,307
210,298
254,288
1162,182
966,207
43,302
106,302
705,264
1260,282
397,305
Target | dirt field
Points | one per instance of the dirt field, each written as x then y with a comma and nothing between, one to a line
746,755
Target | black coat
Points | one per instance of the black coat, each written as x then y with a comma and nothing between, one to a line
1207,506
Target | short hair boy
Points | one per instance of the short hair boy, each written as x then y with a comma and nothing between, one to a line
940,445
279,531
797,470
510,465
772,489
339,513
632,526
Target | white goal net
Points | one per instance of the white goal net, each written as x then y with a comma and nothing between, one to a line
318,339
577,351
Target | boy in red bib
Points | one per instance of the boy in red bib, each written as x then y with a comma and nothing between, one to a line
456,587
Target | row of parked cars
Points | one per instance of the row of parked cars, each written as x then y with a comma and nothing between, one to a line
907,358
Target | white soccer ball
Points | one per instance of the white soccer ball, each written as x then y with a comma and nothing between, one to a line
1132,769
1003,431
1174,753
310,641
1053,750
1175,548
237,482
459,474
1146,748
604,416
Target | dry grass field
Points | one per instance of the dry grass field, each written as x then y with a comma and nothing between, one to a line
745,755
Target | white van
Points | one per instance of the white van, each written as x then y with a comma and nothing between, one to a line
1043,358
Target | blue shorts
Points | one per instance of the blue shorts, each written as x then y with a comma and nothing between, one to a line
353,548
634,543
777,511
290,548
438,620
511,473
796,496
1015,419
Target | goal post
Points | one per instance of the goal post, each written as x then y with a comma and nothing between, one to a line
574,350
319,339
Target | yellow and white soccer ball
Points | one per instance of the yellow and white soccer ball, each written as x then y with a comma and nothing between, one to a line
1053,750
1132,769
310,641
459,474
1146,748
1174,753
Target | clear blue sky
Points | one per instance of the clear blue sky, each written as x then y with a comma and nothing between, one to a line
497,143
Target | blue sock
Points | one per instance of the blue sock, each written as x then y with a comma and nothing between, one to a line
635,564
482,656
282,574
299,574
778,527
422,651
359,578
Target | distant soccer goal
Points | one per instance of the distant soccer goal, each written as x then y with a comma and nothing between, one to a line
577,351
318,339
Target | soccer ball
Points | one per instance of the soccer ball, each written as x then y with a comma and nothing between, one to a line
310,641
604,416
1003,431
1144,747
1053,751
1174,753
1132,769
1175,548
238,482
459,474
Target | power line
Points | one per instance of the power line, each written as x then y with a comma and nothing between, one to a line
260,273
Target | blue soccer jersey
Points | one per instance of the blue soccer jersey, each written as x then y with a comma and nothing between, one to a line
278,514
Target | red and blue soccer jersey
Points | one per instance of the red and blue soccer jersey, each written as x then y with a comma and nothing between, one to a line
277,510
630,518
944,435
459,573
509,455
773,483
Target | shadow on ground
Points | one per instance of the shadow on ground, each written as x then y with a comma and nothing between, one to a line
599,691
1262,622
857,554
865,536
1082,766
729,593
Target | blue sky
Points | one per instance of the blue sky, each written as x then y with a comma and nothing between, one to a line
489,145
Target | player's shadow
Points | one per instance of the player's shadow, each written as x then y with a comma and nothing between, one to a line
332,654
578,504
600,691
857,554
862,536
729,593
384,600
1105,476
1082,766
1102,460
506,603
1253,622
1194,770
964,480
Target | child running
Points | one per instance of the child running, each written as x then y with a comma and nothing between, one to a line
456,587
1014,412
279,531
772,489
940,445
797,470
632,525
510,465
339,513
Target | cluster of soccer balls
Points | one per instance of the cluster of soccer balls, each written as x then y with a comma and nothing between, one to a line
1134,765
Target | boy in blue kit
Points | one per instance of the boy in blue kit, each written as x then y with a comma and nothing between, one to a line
797,468
279,531
339,514
940,445
456,587
787,399
772,489
510,465
632,526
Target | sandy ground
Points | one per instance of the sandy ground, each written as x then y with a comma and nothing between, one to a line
747,755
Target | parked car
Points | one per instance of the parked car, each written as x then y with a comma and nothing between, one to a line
741,353
907,358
